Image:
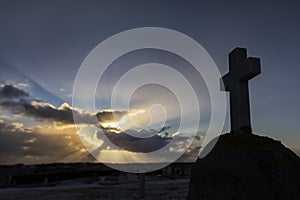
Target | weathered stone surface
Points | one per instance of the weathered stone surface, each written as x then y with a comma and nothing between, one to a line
246,166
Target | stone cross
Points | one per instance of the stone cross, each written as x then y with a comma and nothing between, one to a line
241,70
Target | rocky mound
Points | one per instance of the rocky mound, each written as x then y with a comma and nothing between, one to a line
248,166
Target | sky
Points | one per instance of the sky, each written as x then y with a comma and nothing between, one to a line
43,43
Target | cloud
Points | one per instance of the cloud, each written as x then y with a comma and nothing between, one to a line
10,92
38,110
58,142
134,140
45,111
50,143
21,145
144,140
109,115
126,141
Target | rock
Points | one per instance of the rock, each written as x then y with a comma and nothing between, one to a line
246,166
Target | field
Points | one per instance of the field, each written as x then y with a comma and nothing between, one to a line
60,181
128,188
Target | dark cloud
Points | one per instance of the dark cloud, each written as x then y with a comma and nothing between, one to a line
12,99
11,92
45,111
108,116
126,140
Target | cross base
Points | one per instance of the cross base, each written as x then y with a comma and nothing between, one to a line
245,129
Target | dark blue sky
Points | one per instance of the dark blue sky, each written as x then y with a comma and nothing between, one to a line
46,41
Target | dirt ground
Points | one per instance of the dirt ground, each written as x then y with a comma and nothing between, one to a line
155,188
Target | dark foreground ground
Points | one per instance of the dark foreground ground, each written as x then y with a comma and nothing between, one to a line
126,187
72,181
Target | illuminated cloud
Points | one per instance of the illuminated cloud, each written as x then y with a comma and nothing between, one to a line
40,145
122,120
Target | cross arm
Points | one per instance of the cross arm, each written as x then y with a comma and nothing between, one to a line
251,70
224,82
